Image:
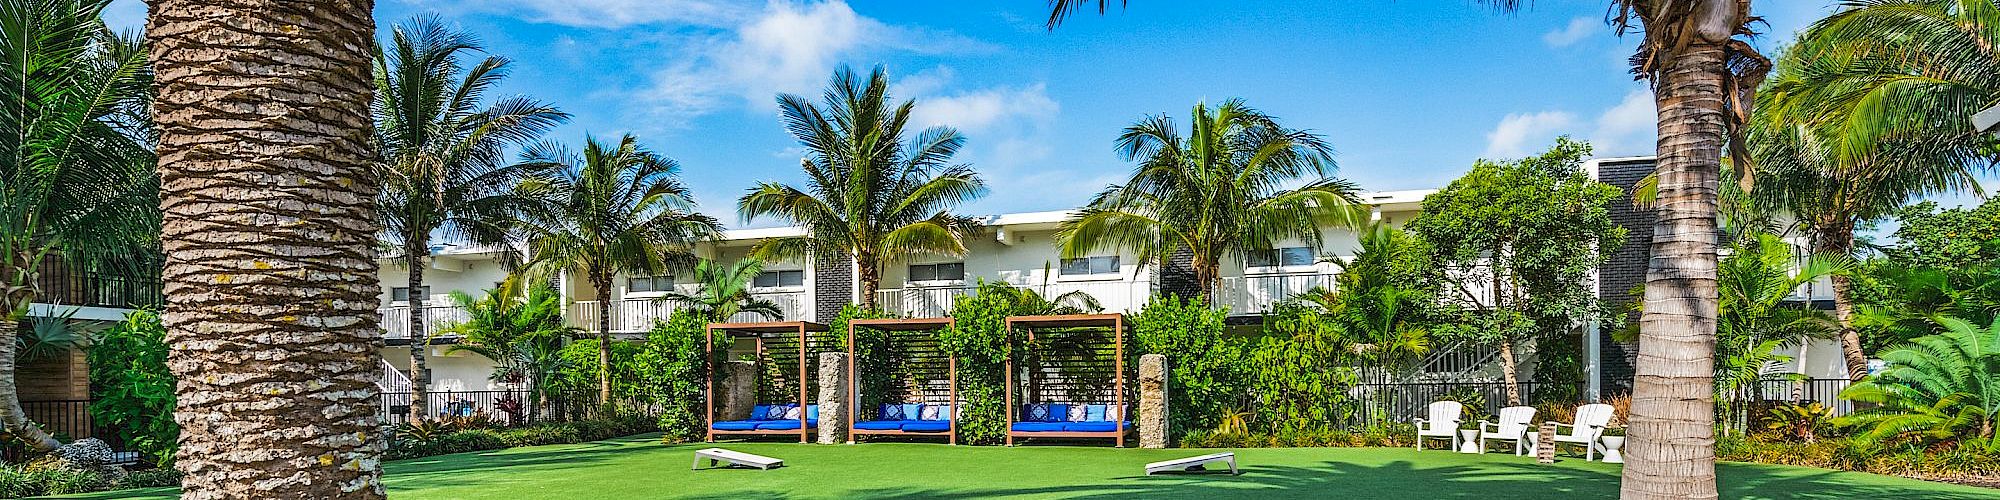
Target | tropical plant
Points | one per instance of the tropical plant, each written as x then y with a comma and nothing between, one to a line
1301,369
1757,279
269,229
1802,422
725,291
520,332
132,392
77,183
613,209
53,335
1519,239
1907,301
869,195
1210,376
1221,191
1384,298
1936,389
443,167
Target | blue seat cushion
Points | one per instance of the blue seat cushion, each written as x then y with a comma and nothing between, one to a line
880,425
1093,426
784,425
926,425
736,425
1038,426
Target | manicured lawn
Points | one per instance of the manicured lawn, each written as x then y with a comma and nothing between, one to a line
639,467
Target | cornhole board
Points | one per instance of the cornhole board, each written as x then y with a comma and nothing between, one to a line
714,455
1192,463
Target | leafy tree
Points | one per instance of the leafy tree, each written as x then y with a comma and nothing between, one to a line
1939,388
132,391
1301,369
1209,374
673,369
1531,231
443,163
869,195
725,291
613,209
1946,239
1220,191
77,180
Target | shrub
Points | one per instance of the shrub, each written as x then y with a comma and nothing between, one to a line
1390,435
133,389
979,340
1937,390
150,478
20,481
1801,422
673,372
1297,374
1208,372
1964,461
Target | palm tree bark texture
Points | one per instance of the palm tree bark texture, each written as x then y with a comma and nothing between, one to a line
269,232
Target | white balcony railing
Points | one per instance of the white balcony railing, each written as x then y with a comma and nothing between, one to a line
396,320
920,302
936,301
1255,294
637,315
792,304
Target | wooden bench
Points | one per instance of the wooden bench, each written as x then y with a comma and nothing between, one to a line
714,455
1192,463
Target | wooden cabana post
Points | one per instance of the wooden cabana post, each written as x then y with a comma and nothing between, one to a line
1116,322
757,332
854,376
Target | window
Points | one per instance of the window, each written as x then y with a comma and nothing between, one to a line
642,284
954,271
775,279
1090,265
402,293
1282,257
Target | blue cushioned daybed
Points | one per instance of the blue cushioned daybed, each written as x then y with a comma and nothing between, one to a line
769,418
907,419
1046,420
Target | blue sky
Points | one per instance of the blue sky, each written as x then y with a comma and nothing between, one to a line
1409,92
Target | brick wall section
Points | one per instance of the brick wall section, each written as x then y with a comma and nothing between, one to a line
833,285
1625,272
1177,277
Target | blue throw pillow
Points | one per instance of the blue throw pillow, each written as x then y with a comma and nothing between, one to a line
778,412
912,411
758,412
812,412
1037,413
892,412
1058,413
1093,413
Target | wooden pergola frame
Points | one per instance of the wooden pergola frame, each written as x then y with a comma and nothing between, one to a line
854,377
1116,322
756,331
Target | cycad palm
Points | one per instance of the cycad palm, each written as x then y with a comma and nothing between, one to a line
1937,388
868,195
77,177
611,210
1218,191
725,291
444,169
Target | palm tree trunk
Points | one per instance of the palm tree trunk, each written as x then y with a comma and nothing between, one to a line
1207,272
603,284
1838,239
269,225
869,267
420,339
16,291
1672,438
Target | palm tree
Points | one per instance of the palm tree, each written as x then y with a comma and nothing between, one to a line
725,291
1757,278
1869,110
1943,387
523,333
868,195
267,191
76,169
1704,78
1218,192
444,170
612,210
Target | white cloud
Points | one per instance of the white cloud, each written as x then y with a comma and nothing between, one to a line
1627,129
988,109
1518,132
601,13
1577,30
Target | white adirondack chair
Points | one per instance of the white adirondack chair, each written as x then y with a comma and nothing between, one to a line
1590,422
1513,426
1443,423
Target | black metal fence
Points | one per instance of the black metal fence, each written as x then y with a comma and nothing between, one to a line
505,407
1825,391
67,419
127,284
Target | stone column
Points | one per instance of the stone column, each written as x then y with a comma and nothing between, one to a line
735,390
1152,421
832,397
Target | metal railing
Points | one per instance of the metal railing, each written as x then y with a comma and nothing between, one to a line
1378,403
1255,294
393,379
936,301
396,320
637,315
792,306
123,285
921,302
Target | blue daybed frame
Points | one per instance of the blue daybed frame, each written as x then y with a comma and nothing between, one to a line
1116,323
806,422
950,411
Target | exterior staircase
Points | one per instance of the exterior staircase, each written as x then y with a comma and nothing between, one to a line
393,380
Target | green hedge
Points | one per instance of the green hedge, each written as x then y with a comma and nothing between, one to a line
1387,435
1963,462
470,440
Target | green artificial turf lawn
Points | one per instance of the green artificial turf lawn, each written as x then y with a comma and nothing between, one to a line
640,467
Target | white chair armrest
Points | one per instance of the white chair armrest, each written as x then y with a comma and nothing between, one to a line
1483,425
